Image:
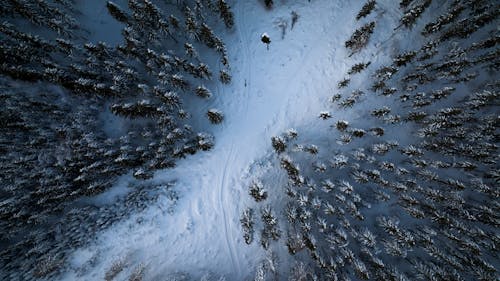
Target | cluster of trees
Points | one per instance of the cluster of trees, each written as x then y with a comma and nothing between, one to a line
411,191
58,93
269,221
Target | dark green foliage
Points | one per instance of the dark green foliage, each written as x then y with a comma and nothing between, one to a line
366,9
357,68
203,92
443,20
257,191
225,77
344,83
405,3
411,16
247,223
142,108
360,37
225,13
215,116
278,144
403,59
116,12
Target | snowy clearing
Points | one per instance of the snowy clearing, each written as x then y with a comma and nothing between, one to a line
271,90
249,140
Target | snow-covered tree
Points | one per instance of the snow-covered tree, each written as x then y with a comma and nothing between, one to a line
366,9
360,37
215,116
257,191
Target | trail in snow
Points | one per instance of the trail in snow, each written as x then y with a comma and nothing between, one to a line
270,92
222,203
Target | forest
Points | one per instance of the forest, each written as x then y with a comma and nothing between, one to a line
249,140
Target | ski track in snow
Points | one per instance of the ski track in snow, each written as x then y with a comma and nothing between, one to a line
270,92
222,203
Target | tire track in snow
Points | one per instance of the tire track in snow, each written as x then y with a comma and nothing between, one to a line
223,189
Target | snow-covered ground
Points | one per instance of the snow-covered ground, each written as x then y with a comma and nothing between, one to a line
271,90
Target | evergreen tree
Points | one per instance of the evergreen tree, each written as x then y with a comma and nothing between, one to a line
360,37
225,13
225,77
215,116
269,3
366,9
116,12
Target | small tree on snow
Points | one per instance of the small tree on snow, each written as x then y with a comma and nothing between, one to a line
411,16
342,125
257,191
225,13
215,116
203,92
360,37
225,77
204,141
357,68
366,9
279,144
247,223
190,50
325,115
266,39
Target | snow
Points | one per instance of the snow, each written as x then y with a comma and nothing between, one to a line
102,27
272,90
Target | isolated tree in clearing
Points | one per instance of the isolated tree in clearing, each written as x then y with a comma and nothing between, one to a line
265,39
215,116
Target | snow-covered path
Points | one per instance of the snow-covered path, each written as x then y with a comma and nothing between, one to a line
271,90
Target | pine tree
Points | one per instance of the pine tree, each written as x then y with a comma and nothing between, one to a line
247,223
225,13
266,40
411,16
360,37
357,68
215,116
366,9
325,115
257,191
224,77
116,12
203,92
278,144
